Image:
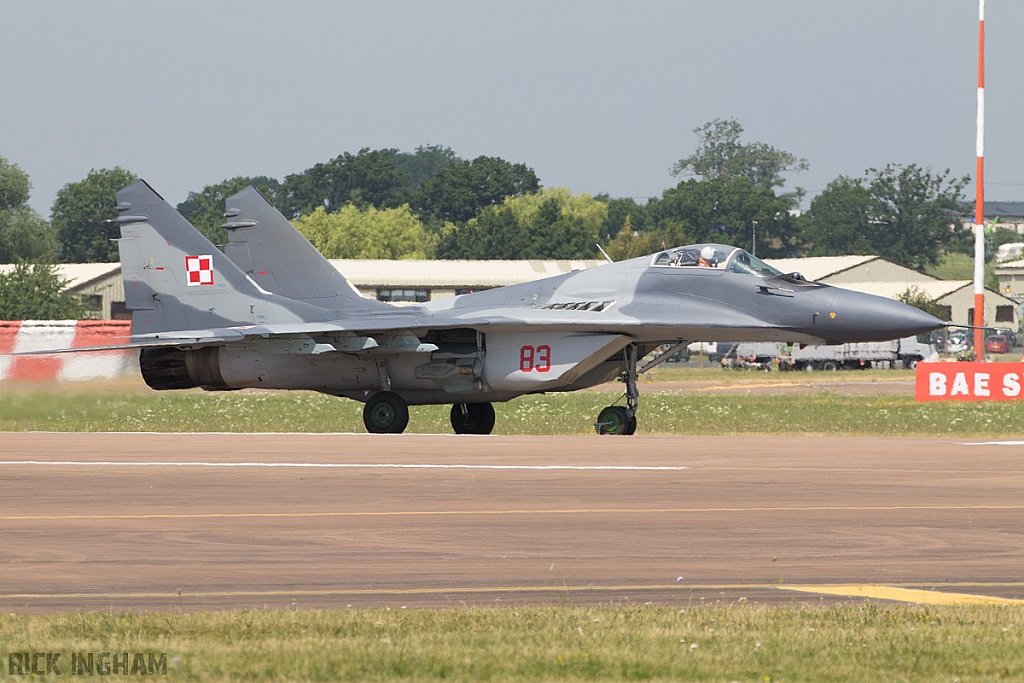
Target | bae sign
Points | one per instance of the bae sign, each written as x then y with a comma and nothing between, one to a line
969,381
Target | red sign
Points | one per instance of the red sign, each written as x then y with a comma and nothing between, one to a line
969,382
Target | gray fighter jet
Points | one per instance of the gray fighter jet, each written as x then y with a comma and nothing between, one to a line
270,312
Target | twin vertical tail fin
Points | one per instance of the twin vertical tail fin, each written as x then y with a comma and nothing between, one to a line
280,259
176,279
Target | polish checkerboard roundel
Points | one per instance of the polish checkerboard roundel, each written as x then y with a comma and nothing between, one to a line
199,270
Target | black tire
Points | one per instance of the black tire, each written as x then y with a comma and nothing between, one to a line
830,366
386,413
478,418
631,427
613,420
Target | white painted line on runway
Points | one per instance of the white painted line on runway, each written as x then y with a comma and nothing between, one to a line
992,443
364,435
339,465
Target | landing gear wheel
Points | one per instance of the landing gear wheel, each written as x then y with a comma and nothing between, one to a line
472,418
614,420
386,413
631,426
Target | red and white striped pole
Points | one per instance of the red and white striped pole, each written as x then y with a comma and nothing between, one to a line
979,199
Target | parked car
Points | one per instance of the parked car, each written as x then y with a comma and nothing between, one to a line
958,341
1010,335
997,343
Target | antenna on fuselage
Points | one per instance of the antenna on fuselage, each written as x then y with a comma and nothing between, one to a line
605,253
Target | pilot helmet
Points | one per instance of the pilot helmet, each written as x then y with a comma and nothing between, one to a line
708,254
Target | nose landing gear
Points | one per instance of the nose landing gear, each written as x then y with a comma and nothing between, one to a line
616,419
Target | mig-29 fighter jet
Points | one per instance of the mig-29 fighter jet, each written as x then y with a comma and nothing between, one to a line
271,312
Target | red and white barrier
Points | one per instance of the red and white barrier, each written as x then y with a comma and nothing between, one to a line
37,335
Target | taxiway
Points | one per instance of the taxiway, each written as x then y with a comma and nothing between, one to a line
212,521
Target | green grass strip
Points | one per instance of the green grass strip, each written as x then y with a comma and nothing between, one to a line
816,412
734,642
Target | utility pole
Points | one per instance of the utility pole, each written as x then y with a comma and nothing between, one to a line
979,199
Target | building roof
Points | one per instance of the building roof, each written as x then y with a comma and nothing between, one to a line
368,273
934,289
1004,209
78,274
817,267
1011,266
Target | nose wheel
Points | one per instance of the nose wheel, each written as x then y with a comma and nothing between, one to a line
472,418
386,413
615,420
621,420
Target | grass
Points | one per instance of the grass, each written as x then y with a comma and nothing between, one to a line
114,408
954,266
740,642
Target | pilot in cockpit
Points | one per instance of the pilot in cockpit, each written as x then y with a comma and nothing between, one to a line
707,257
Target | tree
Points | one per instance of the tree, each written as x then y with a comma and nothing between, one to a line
621,212
838,221
916,297
369,178
631,244
495,234
424,163
460,190
720,154
917,214
370,233
904,213
80,216
205,209
35,291
727,211
549,224
14,185
24,235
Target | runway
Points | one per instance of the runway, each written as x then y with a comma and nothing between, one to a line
211,521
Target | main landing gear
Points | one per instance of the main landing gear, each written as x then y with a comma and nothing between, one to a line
472,418
616,419
386,413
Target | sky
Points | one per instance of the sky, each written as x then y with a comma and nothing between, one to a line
596,96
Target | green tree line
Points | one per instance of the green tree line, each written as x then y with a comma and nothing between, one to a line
430,203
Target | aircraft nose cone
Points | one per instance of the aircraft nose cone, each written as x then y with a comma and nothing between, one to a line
863,317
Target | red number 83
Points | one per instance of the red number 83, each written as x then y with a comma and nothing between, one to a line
538,358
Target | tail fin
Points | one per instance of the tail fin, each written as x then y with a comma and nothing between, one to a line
280,259
176,279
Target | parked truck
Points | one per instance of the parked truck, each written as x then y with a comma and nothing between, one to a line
898,353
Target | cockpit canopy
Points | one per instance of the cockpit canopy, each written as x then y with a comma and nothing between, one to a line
718,256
